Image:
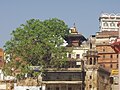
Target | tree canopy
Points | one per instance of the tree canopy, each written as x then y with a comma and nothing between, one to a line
36,43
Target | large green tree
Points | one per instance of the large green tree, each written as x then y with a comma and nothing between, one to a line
36,43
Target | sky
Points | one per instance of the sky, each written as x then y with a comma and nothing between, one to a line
84,13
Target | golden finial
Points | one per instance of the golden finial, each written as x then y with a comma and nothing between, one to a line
74,30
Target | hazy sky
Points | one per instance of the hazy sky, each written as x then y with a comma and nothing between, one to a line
85,13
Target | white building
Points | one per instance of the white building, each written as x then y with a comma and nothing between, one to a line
108,22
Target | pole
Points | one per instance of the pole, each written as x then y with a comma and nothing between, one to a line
119,57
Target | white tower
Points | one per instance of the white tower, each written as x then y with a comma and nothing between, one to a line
108,22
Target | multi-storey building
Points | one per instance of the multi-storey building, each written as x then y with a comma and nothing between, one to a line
2,83
108,33
108,57
1,63
97,77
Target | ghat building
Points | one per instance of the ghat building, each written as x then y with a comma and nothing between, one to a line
2,83
97,77
82,71
1,63
108,33
1,57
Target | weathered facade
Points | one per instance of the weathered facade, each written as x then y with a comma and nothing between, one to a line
2,83
97,77
108,33
108,57
1,57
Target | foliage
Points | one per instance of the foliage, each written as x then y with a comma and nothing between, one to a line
36,43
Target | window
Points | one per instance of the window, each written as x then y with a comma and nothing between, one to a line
78,64
105,24
111,56
69,55
90,77
117,66
69,88
94,61
117,55
90,61
48,88
40,88
111,80
57,77
90,86
77,55
70,78
111,65
112,24
103,50
57,88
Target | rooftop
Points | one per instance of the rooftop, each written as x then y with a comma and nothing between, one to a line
107,34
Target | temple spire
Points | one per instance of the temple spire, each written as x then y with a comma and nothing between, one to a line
74,29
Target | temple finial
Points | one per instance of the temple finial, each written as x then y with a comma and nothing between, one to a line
74,30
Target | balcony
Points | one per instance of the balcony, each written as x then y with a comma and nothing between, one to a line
63,76
64,69
91,53
62,82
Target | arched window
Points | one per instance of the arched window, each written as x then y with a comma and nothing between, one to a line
105,24
90,61
112,24
94,61
111,66
111,56
117,66
117,55
90,77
